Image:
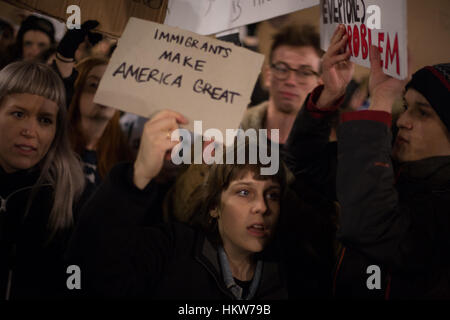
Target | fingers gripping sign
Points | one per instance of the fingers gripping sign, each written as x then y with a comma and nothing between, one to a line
337,68
156,143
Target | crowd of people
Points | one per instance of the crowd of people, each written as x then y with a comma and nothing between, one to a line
355,190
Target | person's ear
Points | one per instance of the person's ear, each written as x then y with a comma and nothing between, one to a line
214,213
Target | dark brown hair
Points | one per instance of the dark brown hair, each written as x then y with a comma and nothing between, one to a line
207,197
297,36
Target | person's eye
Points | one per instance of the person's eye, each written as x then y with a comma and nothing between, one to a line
281,68
243,193
18,114
274,195
93,85
423,113
305,73
46,121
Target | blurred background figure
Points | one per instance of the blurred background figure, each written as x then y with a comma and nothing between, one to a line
35,35
95,131
6,41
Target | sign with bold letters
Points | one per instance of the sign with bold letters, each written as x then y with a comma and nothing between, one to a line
378,22
157,67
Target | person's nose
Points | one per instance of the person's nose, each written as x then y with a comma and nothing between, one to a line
29,127
405,121
259,205
35,51
291,80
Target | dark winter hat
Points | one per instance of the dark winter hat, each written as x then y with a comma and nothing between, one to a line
434,84
39,24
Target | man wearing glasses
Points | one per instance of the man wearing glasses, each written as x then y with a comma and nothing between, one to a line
293,72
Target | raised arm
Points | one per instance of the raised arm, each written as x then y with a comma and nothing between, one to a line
119,256
65,53
372,219
309,153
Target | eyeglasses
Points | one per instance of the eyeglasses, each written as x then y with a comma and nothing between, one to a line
282,71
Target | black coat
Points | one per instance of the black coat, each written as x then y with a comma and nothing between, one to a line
30,265
401,226
398,220
120,257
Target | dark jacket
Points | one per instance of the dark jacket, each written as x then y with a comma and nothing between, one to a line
402,227
120,257
311,157
395,219
31,266
308,152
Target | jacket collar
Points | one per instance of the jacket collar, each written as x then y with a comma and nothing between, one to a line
271,283
431,173
206,254
10,182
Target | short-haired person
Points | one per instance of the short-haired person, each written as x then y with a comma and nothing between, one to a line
40,180
394,200
222,257
6,40
293,72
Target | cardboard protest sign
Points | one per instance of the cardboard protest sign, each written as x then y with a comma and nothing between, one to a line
112,15
210,16
157,67
365,24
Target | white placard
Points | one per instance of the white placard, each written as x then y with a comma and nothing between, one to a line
157,67
389,31
213,16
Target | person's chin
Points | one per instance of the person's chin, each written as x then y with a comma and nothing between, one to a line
286,108
257,245
24,164
401,155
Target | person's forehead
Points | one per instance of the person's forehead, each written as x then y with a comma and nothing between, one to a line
295,55
31,101
36,35
97,72
412,96
248,177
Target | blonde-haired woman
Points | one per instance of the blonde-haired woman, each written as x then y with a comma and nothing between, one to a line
40,180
